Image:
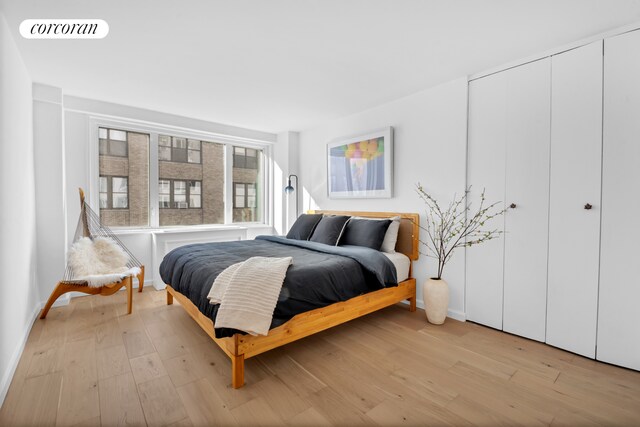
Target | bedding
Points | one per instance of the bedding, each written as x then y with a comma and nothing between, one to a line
402,264
304,226
362,232
391,236
249,294
320,274
329,229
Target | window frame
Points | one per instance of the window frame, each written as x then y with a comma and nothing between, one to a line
186,149
187,192
265,162
246,194
108,141
110,192
240,160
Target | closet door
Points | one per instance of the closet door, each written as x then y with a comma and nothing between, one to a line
619,300
485,170
574,211
527,129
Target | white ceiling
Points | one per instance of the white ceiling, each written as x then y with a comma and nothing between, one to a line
291,64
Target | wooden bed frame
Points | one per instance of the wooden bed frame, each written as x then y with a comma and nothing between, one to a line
240,347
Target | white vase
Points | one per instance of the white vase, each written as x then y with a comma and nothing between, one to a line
435,295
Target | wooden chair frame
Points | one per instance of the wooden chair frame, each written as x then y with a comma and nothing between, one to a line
240,347
110,289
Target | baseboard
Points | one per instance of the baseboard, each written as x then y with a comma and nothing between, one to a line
453,314
15,358
60,302
457,315
158,287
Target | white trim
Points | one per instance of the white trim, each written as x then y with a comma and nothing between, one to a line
188,228
228,184
457,315
108,109
154,176
7,376
453,314
555,51
182,132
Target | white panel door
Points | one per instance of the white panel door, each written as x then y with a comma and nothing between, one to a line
619,299
574,206
527,188
485,170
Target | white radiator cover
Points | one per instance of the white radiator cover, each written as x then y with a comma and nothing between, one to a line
165,241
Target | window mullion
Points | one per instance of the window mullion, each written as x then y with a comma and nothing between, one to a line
228,184
154,181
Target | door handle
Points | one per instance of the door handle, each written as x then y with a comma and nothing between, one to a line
512,205
588,206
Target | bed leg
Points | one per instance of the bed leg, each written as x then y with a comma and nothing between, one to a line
141,279
237,371
412,304
129,285
169,298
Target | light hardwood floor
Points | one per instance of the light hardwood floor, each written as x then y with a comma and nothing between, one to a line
89,364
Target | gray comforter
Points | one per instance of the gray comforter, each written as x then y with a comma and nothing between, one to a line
319,276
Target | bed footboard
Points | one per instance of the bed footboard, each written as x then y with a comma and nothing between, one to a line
241,347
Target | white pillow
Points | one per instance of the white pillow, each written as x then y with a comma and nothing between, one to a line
391,236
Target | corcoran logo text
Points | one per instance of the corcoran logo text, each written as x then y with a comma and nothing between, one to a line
64,29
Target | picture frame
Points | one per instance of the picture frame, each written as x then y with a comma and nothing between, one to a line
361,167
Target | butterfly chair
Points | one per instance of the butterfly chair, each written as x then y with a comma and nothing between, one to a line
90,226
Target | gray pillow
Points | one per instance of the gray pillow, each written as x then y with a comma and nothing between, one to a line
362,232
304,226
391,236
329,229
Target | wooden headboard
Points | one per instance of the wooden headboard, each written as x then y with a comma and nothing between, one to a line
408,239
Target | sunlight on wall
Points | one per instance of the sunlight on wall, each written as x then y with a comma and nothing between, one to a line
308,203
278,194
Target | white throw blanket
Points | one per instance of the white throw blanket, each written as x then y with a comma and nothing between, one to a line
248,292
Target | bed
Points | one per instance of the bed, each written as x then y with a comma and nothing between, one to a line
368,289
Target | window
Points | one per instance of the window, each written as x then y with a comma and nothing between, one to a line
245,158
239,198
124,177
247,185
174,149
195,194
192,177
114,192
178,194
113,142
244,195
164,193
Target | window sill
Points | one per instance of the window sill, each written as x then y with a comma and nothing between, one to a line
184,229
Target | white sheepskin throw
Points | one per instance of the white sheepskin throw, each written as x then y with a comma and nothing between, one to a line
99,261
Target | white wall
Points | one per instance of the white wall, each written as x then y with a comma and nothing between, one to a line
430,148
18,293
48,141
286,158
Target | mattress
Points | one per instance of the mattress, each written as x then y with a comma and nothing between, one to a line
401,262
320,275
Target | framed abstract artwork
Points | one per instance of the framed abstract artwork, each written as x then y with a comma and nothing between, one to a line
362,166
